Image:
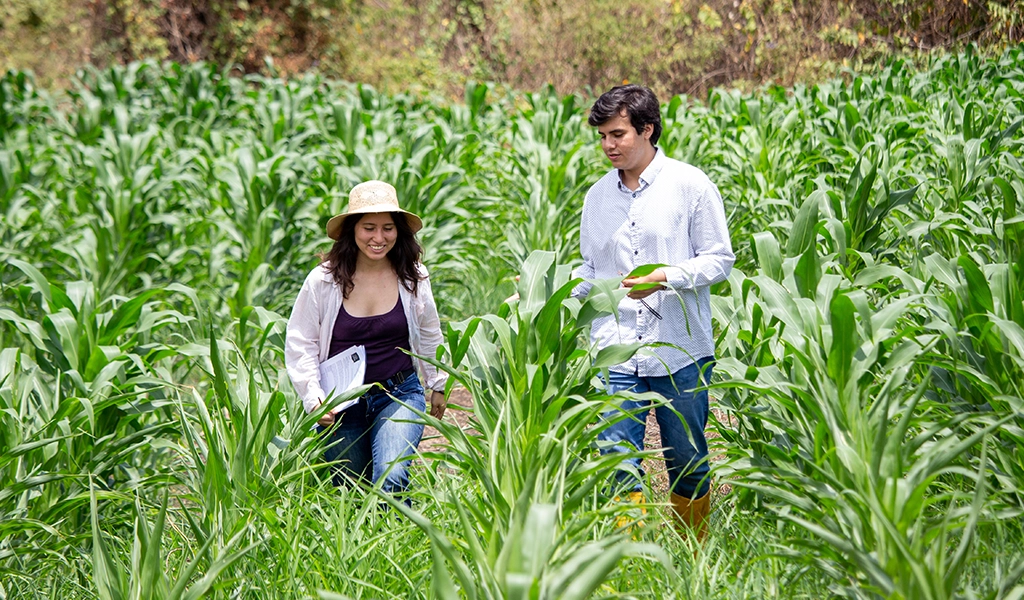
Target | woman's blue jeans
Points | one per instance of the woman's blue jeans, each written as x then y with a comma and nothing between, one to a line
682,434
369,439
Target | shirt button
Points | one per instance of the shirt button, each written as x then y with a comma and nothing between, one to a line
633,224
635,252
639,312
639,337
634,195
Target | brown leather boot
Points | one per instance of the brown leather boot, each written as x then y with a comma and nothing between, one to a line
692,514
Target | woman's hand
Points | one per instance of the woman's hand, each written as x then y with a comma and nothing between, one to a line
437,404
514,296
327,420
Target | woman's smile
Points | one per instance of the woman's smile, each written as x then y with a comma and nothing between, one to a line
376,235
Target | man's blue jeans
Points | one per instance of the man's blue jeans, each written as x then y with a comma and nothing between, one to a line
682,439
368,439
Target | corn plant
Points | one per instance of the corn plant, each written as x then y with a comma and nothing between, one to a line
145,576
847,441
822,455
245,439
156,219
82,401
531,456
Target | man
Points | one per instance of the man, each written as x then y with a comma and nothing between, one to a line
651,209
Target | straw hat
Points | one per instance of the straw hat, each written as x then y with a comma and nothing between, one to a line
371,197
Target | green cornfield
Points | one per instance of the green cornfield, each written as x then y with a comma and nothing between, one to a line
156,222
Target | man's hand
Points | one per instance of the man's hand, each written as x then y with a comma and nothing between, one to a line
656,277
437,404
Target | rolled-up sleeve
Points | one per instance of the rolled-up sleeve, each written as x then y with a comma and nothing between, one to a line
302,348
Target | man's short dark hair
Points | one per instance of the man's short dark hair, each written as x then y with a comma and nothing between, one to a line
639,102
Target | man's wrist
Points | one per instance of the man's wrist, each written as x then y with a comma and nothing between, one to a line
673,277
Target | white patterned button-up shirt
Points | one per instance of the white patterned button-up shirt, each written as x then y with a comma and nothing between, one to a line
676,217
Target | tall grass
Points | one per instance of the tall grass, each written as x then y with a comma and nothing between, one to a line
157,221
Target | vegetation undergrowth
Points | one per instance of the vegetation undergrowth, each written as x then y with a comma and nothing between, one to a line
158,220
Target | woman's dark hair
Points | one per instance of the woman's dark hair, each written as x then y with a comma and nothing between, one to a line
341,258
639,102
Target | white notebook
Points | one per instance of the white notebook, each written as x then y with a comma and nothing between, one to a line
342,372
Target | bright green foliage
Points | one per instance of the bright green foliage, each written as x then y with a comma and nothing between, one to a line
530,454
145,577
158,220
873,363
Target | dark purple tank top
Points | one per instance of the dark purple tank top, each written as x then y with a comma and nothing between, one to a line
384,337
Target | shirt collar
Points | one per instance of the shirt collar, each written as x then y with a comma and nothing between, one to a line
650,173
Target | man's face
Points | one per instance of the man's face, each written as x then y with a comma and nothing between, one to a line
622,144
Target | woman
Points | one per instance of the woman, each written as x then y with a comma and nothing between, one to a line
371,290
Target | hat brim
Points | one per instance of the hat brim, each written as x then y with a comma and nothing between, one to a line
334,225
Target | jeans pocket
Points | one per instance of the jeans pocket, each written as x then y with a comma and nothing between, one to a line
411,394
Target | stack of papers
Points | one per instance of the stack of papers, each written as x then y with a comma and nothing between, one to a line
342,372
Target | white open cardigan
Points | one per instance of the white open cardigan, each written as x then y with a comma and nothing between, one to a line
311,327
